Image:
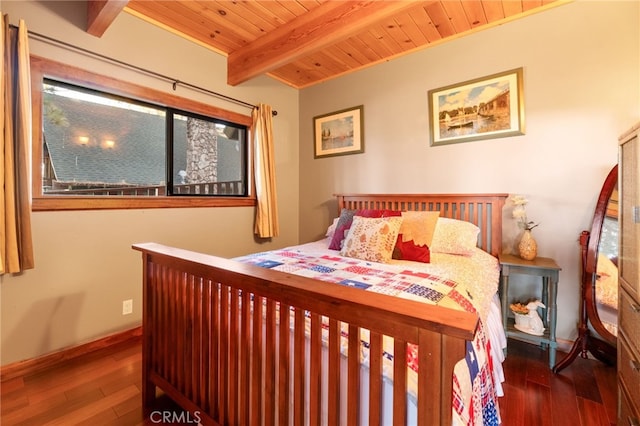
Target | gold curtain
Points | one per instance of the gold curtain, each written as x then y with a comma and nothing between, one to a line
16,248
266,224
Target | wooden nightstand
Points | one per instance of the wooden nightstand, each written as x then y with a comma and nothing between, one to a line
549,271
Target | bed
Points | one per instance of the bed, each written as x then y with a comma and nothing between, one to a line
237,341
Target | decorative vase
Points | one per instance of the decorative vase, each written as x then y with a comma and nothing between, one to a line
528,248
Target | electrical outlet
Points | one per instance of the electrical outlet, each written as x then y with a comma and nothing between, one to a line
127,306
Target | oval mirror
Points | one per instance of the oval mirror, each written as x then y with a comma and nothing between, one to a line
598,323
602,262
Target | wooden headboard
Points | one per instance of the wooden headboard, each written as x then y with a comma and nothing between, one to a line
483,210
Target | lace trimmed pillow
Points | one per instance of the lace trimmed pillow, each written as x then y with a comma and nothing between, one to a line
332,228
372,239
454,236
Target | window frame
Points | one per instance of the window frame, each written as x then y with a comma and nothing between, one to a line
42,68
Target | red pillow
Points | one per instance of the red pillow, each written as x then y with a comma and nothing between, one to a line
346,218
407,250
417,226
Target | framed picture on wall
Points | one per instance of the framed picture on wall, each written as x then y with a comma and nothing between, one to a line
484,108
339,133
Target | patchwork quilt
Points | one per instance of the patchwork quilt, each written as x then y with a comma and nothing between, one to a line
474,394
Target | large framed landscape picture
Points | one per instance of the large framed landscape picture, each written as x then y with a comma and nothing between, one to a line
484,108
339,133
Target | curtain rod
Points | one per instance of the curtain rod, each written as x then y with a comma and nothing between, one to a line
174,81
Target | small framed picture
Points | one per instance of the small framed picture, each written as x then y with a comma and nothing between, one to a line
339,133
485,108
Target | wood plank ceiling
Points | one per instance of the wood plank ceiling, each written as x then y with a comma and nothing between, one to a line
305,42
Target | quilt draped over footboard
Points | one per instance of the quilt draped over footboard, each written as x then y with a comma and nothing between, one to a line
455,282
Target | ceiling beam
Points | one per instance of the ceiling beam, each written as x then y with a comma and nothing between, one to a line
327,24
101,14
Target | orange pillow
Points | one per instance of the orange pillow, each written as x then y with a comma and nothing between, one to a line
416,234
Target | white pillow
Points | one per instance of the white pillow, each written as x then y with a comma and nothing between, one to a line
454,236
332,228
372,238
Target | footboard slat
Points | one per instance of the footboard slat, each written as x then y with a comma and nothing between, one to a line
220,341
333,388
175,291
170,291
215,347
429,359
400,380
245,360
315,371
375,379
193,353
255,406
223,357
269,364
353,376
234,336
298,366
205,307
284,363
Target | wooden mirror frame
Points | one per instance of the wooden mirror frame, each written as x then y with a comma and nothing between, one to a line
593,249
604,346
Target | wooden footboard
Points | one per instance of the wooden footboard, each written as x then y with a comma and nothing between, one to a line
217,342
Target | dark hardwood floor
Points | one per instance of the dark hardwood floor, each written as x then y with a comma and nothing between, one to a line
583,394
103,388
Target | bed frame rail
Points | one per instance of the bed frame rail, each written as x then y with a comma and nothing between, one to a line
214,341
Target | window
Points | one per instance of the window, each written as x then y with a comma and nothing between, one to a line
209,156
110,144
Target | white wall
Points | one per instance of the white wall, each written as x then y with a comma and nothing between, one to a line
581,91
85,266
